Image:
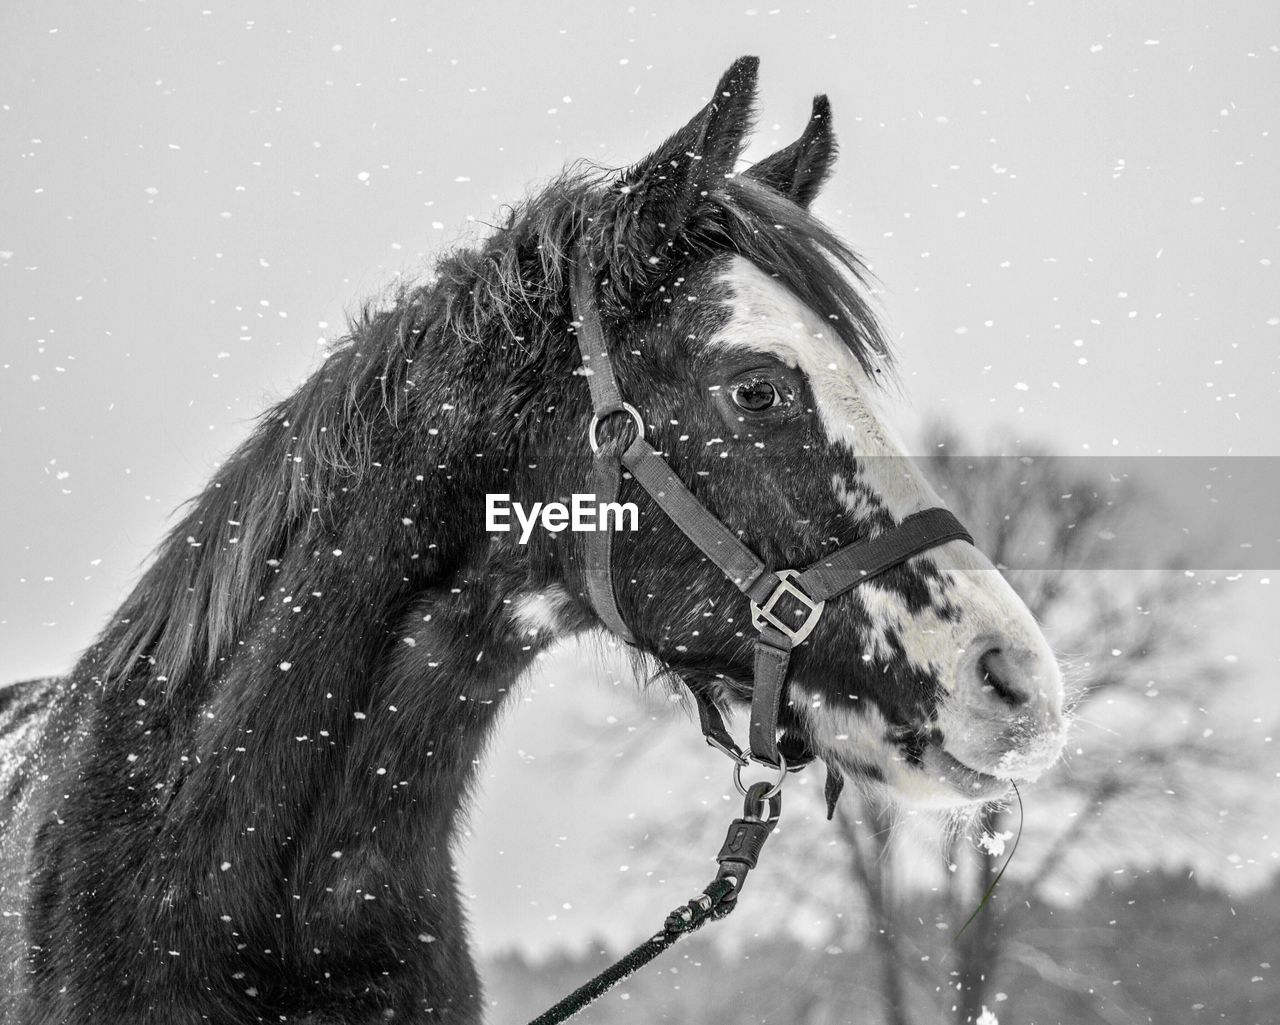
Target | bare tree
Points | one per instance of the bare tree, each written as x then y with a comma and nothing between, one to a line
868,840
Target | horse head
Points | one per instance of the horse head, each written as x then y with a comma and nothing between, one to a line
738,329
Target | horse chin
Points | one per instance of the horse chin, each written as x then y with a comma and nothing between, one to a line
958,783
946,786
939,781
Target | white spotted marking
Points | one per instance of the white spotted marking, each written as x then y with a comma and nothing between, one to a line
765,317
540,613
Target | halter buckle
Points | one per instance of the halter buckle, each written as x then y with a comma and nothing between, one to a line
762,614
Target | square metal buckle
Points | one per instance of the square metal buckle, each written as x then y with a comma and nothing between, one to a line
764,614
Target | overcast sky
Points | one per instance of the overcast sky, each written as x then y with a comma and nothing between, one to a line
1072,207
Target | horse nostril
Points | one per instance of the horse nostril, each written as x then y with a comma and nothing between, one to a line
998,672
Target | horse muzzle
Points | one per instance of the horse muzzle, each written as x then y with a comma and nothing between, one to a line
1002,721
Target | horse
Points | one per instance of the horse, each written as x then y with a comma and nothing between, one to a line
243,803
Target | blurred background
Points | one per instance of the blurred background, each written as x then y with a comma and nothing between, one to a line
1072,210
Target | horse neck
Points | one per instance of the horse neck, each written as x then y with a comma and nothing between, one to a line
341,732
310,797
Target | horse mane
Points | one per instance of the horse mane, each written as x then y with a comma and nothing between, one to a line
215,565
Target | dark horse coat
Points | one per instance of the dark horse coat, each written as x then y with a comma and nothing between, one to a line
240,805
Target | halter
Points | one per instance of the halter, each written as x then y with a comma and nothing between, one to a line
779,599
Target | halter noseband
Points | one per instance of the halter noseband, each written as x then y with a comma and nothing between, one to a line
770,591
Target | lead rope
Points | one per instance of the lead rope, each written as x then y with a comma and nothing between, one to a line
737,857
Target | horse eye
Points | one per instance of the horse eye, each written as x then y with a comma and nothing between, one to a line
756,396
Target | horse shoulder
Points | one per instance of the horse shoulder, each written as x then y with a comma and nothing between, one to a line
24,715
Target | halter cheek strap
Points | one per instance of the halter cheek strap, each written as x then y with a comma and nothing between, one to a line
606,400
785,604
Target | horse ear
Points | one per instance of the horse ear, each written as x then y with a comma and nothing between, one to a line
800,170
659,196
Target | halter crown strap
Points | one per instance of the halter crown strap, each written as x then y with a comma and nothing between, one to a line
606,397
776,596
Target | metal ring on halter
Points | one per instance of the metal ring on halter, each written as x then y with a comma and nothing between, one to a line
595,424
777,784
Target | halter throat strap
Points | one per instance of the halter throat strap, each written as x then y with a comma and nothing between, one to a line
785,604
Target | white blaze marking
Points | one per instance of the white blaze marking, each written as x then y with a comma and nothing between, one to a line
768,318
